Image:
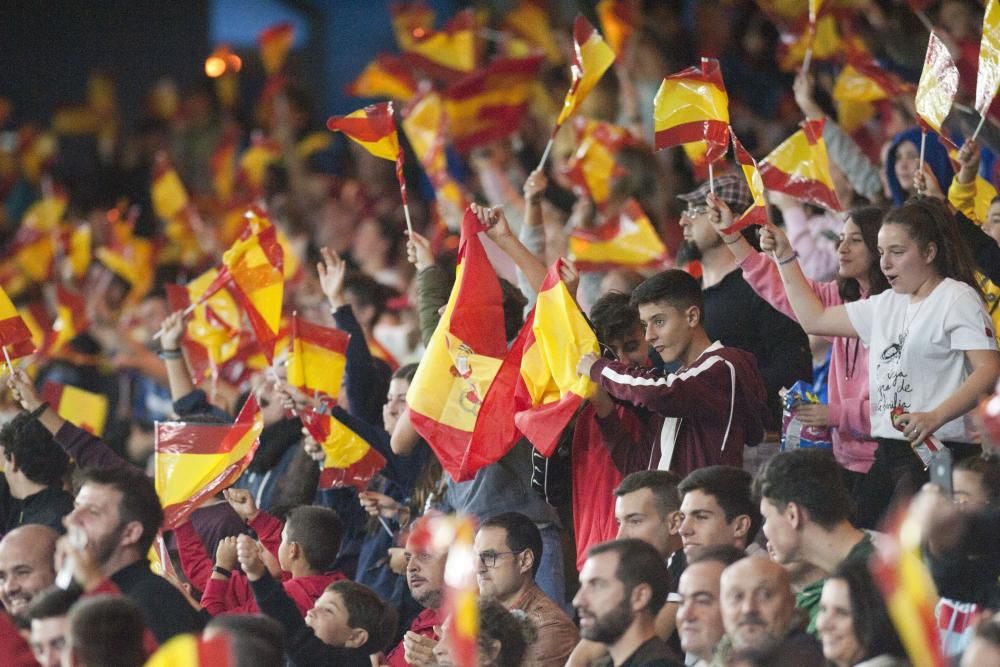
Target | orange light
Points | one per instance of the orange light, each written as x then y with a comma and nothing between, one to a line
233,62
215,66
419,33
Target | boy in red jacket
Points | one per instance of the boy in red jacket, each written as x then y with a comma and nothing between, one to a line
304,547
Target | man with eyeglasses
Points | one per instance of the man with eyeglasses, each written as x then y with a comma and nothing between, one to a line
734,314
509,547
425,579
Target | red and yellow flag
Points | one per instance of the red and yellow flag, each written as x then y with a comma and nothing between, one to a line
193,651
411,21
449,51
756,213
490,104
170,197
212,334
462,356
71,318
317,361
372,127
15,335
385,76
618,19
988,78
860,83
78,406
36,317
592,166
223,166
591,59
800,167
530,21
424,124
194,461
255,160
692,106
938,86
628,240
350,460
275,42
823,38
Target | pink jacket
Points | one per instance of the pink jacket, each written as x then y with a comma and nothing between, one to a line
850,413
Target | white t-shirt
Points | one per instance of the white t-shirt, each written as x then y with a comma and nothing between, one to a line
917,351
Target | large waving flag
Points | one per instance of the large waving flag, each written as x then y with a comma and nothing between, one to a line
195,461
591,59
424,124
372,127
618,19
212,335
385,76
15,336
988,78
463,355
193,651
447,52
530,21
938,86
628,240
800,167
84,408
756,214
317,361
692,106
537,390
592,165
860,83
350,460
490,104
275,42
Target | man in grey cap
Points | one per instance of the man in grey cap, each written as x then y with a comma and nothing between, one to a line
734,314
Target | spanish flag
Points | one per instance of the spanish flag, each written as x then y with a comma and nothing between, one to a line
756,214
170,197
490,104
530,21
909,593
316,364
84,408
385,76
618,18
411,21
275,43
193,651
255,160
938,86
461,597
591,59
860,83
350,460
424,122
46,213
223,166
448,52
372,127
628,240
462,356
194,461
36,317
212,334
800,167
592,165
823,38
33,252
15,336
77,249
71,318
692,106
988,78
134,261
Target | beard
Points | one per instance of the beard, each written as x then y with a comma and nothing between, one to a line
104,548
688,252
609,627
430,599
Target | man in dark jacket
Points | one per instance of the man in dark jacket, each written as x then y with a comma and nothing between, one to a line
34,466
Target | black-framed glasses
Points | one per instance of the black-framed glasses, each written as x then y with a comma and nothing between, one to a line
489,558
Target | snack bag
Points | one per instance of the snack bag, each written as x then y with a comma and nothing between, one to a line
794,434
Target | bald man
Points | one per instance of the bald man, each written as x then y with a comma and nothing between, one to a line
758,608
27,565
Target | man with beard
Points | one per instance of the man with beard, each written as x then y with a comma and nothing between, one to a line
623,586
758,610
26,566
118,513
734,314
425,579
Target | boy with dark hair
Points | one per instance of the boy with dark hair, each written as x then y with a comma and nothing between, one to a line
33,466
305,546
717,508
105,630
47,613
712,406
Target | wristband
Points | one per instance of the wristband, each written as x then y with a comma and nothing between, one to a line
37,412
218,569
167,355
791,258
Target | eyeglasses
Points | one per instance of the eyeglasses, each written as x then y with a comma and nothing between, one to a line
489,558
694,211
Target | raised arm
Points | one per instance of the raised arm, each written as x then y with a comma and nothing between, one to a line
498,229
178,374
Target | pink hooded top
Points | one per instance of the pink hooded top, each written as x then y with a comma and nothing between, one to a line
850,413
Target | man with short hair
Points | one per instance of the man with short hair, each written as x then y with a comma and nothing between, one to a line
717,508
711,406
509,551
699,617
758,608
48,612
623,586
33,465
118,513
806,510
425,579
26,566
105,630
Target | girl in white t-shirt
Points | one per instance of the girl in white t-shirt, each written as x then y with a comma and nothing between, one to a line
932,350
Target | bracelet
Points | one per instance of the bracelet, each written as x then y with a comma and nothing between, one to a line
37,412
791,258
218,569
167,355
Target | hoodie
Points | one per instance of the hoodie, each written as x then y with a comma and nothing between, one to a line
935,155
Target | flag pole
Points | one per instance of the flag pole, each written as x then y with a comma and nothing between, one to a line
711,179
187,311
807,60
548,149
923,144
6,356
982,119
402,191
385,526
